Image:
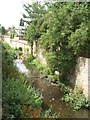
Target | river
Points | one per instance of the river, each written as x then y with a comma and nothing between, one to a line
51,93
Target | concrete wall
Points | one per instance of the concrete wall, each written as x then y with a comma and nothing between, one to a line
81,76
89,78
7,39
41,57
16,43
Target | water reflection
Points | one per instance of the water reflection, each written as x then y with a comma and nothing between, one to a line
19,64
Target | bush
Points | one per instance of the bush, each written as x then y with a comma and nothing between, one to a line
30,58
19,97
76,99
53,78
65,89
16,93
45,71
8,53
48,114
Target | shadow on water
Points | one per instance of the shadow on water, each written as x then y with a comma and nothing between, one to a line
53,97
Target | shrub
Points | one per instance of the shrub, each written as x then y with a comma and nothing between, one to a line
16,93
65,89
77,99
30,58
8,53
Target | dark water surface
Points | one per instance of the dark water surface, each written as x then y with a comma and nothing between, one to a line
52,95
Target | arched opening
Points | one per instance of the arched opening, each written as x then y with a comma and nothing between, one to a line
20,48
27,50
20,52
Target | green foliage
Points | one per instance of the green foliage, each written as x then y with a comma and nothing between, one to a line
21,22
12,33
30,59
17,94
66,36
9,53
35,13
75,98
62,31
48,114
79,39
53,78
16,91
51,58
2,30
65,89
45,71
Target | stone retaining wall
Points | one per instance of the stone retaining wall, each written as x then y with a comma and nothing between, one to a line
81,76
40,56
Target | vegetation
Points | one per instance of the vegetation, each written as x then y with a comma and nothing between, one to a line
45,71
20,100
75,97
61,31
12,32
2,30
57,41
77,100
34,19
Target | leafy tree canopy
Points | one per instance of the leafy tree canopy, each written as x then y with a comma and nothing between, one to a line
63,31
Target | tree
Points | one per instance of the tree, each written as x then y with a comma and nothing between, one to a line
66,36
30,34
21,22
61,30
3,30
35,14
12,32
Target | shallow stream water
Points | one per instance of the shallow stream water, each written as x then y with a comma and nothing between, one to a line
51,93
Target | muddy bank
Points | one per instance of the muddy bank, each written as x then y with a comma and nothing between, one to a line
52,96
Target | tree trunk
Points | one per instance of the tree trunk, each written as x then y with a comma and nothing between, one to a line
32,48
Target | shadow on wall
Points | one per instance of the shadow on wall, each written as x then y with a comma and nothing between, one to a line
79,76
75,71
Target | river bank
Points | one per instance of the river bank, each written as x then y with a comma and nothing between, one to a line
52,96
